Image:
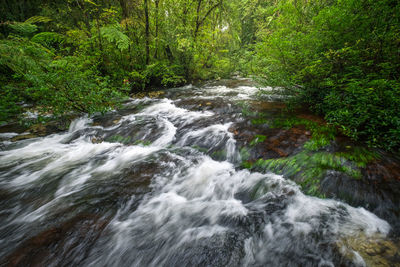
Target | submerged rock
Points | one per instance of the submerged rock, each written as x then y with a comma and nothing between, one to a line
373,250
23,137
64,244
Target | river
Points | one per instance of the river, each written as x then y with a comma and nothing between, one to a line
159,183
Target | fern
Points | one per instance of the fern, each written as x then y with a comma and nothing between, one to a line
37,19
114,35
47,38
22,28
28,27
91,2
22,56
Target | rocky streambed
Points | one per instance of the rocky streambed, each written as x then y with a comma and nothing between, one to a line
204,175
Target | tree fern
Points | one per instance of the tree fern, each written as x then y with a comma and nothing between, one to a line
22,28
22,56
37,19
114,35
47,38
28,27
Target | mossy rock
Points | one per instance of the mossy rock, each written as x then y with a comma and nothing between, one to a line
152,94
308,168
375,250
23,137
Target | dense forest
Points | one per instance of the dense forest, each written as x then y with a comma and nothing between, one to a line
339,58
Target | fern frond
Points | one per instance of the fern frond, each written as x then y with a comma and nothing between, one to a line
91,2
22,28
23,56
114,35
47,38
37,19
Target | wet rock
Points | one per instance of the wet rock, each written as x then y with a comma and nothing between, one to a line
97,140
218,250
12,128
65,244
38,129
106,120
263,106
278,142
23,137
43,129
53,126
151,94
375,250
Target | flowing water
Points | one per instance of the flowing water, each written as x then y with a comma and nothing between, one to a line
145,186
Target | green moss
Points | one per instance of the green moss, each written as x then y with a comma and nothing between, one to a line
321,135
247,164
142,142
244,153
359,155
259,121
118,139
260,189
126,140
259,138
219,154
200,149
248,112
307,168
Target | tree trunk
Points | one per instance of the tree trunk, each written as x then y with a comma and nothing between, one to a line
157,2
124,7
147,29
196,27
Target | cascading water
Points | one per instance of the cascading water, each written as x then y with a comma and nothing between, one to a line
138,187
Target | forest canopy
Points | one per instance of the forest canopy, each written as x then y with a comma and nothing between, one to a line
340,58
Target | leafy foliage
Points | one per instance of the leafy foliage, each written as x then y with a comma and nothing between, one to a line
258,139
55,85
114,35
37,19
321,135
48,38
338,57
308,169
24,29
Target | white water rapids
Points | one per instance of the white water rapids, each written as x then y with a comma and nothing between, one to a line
139,188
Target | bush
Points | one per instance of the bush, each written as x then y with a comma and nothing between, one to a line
341,59
59,85
161,74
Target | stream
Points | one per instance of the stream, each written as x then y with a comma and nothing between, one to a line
159,182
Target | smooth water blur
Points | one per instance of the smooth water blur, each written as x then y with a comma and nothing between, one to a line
139,187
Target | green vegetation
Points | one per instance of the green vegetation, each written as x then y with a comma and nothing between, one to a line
308,169
259,121
259,138
219,154
83,56
200,149
309,166
359,155
340,58
321,135
244,155
118,139
126,140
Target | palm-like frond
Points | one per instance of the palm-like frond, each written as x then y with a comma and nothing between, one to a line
114,35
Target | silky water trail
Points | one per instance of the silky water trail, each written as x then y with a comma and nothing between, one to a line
139,187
